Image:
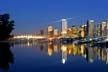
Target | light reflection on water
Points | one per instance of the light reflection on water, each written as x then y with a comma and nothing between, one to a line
84,50
55,54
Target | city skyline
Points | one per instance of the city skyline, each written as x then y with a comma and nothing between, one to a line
31,16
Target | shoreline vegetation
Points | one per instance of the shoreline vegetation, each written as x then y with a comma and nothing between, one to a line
6,56
6,27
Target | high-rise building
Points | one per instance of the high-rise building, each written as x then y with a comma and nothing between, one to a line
84,30
91,28
107,27
64,26
56,32
50,31
99,30
107,23
104,27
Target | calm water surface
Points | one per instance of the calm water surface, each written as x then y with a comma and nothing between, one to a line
51,57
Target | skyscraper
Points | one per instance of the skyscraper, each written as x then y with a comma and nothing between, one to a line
104,27
107,26
64,26
99,29
50,31
56,32
90,28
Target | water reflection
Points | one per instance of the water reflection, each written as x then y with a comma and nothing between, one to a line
64,53
85,51
6,56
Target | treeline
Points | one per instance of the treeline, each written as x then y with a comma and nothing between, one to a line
6,26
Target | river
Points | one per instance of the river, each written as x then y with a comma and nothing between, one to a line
52,57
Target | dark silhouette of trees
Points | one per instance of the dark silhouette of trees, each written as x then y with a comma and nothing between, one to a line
6,26
6,56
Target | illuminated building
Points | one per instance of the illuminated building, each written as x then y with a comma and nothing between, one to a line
64,27
83,30
50,32
64,53
107,26
56,32
99,31
103,25
107,23
74,29
90,28
69,33
73,32
103,29
82,33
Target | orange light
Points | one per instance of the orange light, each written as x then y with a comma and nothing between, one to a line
50,51
50,39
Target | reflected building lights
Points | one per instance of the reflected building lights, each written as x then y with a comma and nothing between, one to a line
64,53
104,54
50,51
90,54
28,44
50,48
75,49
69,51
82,49
107,56
56,48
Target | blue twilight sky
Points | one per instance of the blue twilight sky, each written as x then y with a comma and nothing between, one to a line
33,15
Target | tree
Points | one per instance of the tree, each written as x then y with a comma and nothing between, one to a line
6,26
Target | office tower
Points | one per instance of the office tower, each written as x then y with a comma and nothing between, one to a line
75,31
56,32
107,26
99,30
83,30
69,32
104,27
64,27
50,31
107,23
91,28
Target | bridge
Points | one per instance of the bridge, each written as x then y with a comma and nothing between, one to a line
29,37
